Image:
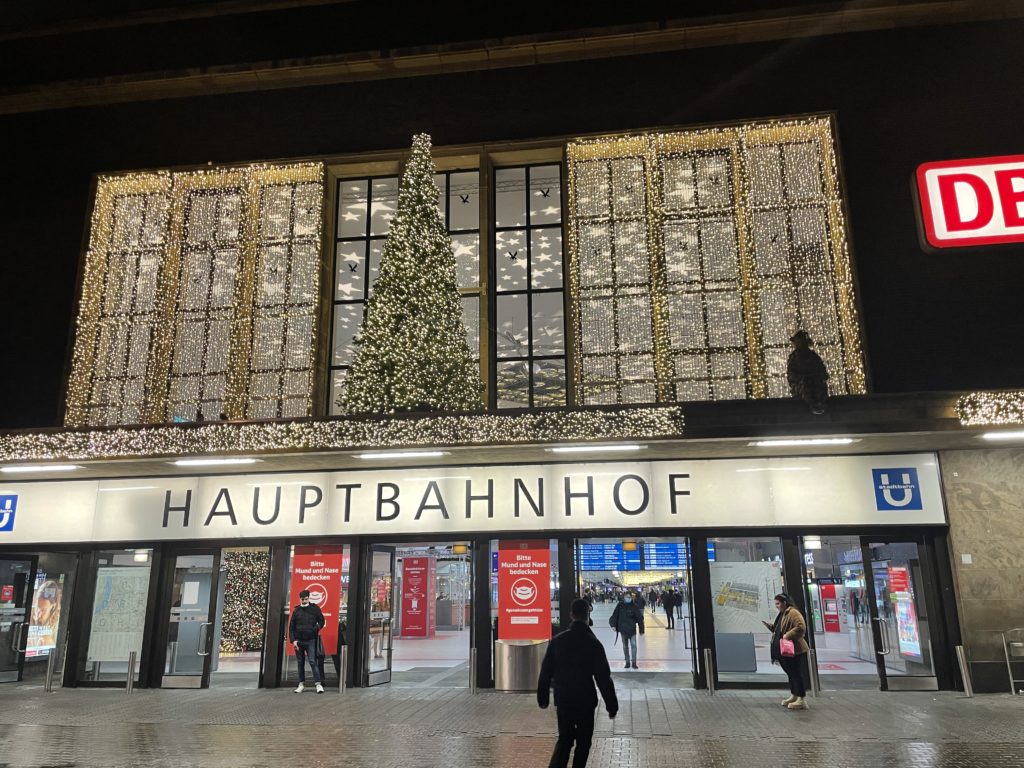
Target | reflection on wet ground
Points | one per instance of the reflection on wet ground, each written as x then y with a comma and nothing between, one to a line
403,727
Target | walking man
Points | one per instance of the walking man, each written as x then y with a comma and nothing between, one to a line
668,600
303,630
625,620
575,660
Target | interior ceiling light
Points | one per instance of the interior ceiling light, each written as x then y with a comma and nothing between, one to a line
808,441
1016,434
40,468
212,462
594,448
403,455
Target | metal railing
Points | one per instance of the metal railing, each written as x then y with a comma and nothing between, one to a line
472,670
342,667
1013,648
129,683
51,667
812,663
709,671
965,671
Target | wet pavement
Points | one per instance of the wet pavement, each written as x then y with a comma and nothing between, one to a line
402,727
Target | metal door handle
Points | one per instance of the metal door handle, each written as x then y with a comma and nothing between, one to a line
17,636
204,636
885,650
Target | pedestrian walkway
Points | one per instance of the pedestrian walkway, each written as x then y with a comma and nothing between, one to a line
448,728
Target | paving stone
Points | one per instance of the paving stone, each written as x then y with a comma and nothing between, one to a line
445,727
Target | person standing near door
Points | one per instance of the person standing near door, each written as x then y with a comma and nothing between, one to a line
303,630
574,661
668,601
790,625
625,620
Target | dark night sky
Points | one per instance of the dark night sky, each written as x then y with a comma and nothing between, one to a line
933,321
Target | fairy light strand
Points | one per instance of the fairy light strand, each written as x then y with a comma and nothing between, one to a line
226,438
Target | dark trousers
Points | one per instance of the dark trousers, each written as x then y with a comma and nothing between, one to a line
793,666
671,613
574,725
308,648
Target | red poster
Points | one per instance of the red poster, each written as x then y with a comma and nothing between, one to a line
318,569
7,593
419,611
524,591
899,579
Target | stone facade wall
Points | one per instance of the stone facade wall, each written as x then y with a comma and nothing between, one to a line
985,499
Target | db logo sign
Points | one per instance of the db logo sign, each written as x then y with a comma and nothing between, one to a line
972,202
524,592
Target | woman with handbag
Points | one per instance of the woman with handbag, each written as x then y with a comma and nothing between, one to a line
789,648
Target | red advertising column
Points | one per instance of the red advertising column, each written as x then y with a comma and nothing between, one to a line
318,569
524,590
419,587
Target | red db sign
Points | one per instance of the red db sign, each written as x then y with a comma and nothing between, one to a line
972,202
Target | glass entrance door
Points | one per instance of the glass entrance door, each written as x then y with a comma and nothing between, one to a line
191,620
379,613
16,579
867,614
900,617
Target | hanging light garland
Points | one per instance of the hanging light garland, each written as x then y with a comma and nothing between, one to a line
537,427
980,409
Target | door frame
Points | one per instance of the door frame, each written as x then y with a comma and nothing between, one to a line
366,677
163,617
929,586
15,675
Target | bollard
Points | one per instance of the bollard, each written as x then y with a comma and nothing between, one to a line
129,683
51,667
342,668
812,660
472,670
965,671
709,671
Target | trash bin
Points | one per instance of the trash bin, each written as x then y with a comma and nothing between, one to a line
517,664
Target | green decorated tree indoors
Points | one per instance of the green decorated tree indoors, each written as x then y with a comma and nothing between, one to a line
412,350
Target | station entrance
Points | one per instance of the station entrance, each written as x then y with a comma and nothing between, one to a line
419,605
652,574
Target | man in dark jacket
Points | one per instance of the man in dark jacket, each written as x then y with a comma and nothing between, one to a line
668,599
303,629
625,619
574,661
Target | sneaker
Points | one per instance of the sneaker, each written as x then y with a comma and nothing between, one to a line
799,703
301,687
787,702
635,666
319,688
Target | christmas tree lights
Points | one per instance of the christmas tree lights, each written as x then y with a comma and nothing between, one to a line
246,574
412,350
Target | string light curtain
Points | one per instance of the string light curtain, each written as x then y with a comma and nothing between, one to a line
200,297
695,255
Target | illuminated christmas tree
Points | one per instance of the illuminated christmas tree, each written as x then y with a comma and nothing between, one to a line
413,354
